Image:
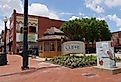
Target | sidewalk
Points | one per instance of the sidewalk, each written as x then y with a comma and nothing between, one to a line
15,62
45,72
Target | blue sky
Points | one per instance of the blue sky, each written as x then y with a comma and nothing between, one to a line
108,10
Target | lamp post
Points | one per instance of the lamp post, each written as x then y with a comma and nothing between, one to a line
25,37
5,21
85,46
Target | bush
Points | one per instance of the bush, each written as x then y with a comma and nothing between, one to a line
117,59
74,61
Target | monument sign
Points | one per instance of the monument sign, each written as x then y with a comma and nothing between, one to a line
73,47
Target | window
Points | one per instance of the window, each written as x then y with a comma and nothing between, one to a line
59,46
40,47
32,29
52,46
46,46
21,29
49,46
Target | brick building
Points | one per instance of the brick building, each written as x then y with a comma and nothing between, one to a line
37,25
116,38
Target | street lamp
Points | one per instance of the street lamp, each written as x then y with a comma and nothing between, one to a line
84,45
25,37
5,21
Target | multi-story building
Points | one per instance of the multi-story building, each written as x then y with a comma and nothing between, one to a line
37,25
116,38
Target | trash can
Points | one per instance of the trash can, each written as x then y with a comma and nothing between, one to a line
3,59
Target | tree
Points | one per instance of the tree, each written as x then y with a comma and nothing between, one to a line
91,29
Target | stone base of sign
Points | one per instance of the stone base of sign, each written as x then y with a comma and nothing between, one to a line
115,70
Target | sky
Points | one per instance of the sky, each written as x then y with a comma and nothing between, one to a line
108,10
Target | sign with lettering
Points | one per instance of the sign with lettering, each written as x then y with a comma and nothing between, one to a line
73,47
105,54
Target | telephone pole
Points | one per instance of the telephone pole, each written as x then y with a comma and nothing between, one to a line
25,37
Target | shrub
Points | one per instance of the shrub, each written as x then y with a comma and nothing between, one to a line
74,61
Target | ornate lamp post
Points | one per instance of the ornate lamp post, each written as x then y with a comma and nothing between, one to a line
25,37
5,21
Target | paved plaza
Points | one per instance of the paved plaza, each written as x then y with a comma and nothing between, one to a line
45,72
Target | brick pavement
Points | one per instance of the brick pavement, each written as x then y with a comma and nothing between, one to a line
45,72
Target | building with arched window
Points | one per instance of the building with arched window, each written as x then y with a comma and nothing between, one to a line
37,25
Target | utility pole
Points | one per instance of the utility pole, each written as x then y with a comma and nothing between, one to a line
25,37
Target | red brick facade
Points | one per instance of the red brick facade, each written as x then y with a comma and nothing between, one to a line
116,38
43,24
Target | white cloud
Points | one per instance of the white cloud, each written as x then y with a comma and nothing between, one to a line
53,15
38,9
7,6
112,3
98,5
86,17
120,28
101,18
116,19
81,14
64,13
42,10
73,17
94,5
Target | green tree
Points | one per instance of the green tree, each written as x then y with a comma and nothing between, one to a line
91,29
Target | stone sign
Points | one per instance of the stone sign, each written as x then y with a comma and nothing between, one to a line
105,54
73,47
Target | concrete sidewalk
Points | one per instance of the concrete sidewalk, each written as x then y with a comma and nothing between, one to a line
15,62
46,72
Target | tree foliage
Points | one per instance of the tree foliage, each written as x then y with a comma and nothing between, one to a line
89,29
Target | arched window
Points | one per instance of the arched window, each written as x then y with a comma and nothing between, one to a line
21,29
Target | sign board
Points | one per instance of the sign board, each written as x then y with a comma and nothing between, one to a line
73,47
105,54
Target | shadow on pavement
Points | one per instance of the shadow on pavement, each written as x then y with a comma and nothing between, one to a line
28,71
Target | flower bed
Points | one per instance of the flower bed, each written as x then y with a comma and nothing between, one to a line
74,61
